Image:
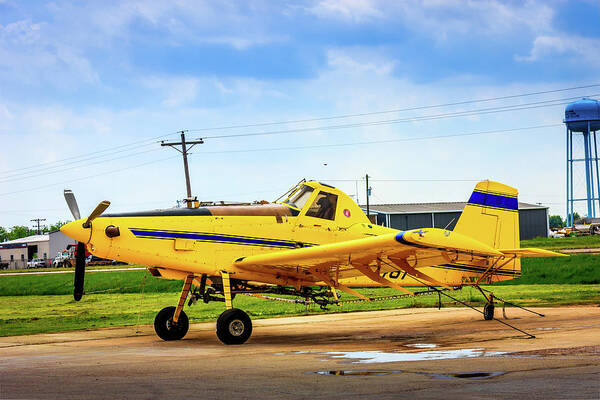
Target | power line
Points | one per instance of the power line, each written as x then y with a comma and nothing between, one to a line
99,154
153,139
319,146
87,177
19,177
469,113
392,110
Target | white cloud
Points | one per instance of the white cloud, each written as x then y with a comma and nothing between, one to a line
441,19
241,42
580,49
355,10
30,53
360,61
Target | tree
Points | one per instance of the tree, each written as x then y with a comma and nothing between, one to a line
17,232
3,234
54,227
556,221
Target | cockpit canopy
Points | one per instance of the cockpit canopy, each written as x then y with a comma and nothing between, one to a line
323,205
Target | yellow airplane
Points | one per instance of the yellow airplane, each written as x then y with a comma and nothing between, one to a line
317,236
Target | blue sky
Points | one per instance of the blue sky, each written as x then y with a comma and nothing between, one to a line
81,77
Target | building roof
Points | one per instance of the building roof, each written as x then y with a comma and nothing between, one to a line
418,208
28,239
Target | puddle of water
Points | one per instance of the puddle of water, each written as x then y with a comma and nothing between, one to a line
466,375
357,373
369,357
422,345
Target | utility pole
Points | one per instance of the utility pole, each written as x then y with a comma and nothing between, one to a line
367,187
190,201
38,220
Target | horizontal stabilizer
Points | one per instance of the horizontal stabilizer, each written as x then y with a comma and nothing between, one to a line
531,252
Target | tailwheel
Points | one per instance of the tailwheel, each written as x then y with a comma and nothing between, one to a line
488,311
234,326
166,329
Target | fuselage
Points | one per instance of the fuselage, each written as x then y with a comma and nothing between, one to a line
207,240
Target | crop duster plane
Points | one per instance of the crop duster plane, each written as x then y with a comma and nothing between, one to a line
316,237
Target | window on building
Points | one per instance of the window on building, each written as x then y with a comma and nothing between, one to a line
22,257
45,256
12,257
323,206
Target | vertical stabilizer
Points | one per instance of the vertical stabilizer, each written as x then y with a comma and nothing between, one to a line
492,215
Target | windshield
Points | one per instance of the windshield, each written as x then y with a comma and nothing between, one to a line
300,197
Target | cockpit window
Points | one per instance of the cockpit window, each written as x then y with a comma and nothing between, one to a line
323,206
300,197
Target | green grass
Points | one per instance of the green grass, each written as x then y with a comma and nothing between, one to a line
55,313
95,282
44,303
575,269
52,269
577,242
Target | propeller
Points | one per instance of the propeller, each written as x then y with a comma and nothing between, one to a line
80,252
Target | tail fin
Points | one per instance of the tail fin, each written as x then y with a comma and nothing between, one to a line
492,215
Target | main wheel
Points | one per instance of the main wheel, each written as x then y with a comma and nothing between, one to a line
488,312
166,329
234,326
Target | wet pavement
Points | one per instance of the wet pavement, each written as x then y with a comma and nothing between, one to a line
415,353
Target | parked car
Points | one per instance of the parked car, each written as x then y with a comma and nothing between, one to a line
36,263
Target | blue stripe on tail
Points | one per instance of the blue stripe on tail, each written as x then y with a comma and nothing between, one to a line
494,200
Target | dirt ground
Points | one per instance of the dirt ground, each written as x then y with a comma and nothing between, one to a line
410,353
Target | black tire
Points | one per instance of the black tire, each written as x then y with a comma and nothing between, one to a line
234,326
164,327
488,312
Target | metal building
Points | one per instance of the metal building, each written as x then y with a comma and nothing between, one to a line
58,243
533,219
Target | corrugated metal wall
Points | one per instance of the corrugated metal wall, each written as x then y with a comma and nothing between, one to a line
532,223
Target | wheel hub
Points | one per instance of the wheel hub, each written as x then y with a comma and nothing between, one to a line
236,327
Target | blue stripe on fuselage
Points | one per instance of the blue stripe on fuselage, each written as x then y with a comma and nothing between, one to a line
212,238
494,200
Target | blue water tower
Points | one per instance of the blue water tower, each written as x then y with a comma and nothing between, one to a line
583,116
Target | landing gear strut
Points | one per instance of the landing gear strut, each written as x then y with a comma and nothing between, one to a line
234,326
171,323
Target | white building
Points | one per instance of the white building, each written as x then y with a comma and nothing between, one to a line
14,254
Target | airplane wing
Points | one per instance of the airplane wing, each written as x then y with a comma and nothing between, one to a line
403,251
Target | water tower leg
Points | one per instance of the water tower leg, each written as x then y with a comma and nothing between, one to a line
593,188
569,218
597,172
586,157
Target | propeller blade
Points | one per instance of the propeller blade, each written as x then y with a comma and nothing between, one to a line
96,213
72,203
79,271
